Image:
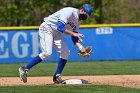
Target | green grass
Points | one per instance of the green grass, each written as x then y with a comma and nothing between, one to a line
73,68
76,68
68,89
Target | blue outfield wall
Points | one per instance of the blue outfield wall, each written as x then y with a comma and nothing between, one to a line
108,43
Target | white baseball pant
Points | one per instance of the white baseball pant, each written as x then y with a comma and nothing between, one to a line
50,38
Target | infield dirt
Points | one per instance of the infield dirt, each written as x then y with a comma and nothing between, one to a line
132,81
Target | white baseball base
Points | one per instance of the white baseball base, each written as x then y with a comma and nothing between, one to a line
75,81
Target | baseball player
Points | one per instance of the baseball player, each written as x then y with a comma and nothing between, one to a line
66,20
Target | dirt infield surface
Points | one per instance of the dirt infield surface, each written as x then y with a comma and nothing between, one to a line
116,80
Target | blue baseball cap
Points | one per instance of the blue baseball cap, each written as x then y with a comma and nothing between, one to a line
88,9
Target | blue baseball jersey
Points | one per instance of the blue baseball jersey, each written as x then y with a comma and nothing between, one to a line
68,16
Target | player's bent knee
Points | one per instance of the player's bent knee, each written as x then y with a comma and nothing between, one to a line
45,55
65,54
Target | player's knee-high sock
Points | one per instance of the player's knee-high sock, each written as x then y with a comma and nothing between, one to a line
61,65
35,61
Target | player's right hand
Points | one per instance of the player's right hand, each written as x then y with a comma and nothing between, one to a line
78,35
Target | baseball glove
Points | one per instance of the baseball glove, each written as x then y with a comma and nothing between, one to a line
85,53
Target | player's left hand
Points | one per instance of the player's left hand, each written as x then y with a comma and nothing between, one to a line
85,52
78,35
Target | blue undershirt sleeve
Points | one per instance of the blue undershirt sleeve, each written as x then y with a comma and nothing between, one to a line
61,27
74,39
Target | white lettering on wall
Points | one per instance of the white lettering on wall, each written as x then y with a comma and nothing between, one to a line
15,43
3,50
104,30
35,44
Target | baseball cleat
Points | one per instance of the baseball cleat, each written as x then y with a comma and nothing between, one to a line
23,74
57,79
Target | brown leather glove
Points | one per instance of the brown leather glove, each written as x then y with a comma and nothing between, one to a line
86,52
